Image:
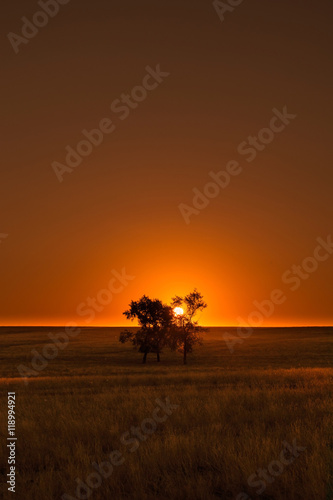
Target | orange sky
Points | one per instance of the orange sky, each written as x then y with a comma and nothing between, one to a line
120,207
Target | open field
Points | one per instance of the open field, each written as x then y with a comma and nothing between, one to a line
234,413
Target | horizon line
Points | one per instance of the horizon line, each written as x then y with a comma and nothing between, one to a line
137,326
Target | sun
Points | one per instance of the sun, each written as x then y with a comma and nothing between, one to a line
178,311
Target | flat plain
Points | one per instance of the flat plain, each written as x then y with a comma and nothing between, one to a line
232,414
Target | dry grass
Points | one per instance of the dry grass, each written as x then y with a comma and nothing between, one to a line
235,410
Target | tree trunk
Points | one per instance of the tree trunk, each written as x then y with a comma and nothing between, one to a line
144,357
185,352
158,357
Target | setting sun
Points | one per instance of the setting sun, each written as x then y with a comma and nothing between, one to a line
178,311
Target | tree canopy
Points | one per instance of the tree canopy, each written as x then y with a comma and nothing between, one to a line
161,325
156,321
188,329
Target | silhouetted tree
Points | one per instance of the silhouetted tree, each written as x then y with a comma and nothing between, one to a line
187,332
155,320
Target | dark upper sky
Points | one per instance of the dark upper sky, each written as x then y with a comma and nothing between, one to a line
120,207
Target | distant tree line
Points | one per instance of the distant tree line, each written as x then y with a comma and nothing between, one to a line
161,325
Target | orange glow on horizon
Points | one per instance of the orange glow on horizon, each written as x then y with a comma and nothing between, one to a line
213,324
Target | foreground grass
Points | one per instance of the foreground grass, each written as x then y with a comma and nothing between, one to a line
234,411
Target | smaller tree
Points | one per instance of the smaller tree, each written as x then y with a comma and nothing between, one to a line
155,319
188,330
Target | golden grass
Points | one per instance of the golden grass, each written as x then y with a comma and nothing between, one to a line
235,410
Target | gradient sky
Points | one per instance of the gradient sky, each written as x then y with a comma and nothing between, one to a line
120,207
